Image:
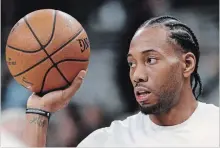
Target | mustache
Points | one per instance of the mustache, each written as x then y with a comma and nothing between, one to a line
140,85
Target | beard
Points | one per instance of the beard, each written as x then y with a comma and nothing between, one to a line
167,95
156,109
166,101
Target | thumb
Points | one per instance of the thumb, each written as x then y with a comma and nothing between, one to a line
34,96
71,90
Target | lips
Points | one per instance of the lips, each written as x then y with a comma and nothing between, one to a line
142,93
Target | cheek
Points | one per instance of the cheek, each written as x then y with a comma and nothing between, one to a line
171,79
158,75
164,76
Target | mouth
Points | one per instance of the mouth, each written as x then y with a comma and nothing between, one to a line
142,94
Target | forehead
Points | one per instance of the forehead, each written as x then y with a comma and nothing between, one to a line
155,38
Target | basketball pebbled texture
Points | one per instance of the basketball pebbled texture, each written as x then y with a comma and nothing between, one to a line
46,49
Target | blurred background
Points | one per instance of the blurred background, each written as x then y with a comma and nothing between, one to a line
106,93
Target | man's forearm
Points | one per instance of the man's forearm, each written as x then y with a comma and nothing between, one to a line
35,130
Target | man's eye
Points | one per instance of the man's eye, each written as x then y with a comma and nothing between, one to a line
130,64
151,61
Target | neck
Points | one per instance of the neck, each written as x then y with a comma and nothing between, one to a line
178,113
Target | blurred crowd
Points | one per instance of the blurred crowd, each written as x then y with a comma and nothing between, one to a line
110,25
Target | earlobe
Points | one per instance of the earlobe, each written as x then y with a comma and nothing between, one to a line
189,64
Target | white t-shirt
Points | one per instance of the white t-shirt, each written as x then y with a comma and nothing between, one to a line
200,130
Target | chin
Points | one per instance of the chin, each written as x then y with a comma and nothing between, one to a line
153,109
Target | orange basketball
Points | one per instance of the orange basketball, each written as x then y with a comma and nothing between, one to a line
46,49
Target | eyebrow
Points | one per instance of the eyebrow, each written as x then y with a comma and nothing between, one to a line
143,52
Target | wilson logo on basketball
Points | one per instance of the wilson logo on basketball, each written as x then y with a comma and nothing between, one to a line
84,44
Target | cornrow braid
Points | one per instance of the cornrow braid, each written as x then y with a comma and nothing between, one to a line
184,37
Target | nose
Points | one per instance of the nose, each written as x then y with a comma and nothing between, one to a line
140,75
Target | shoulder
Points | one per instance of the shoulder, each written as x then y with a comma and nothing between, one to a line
209,123
209,110
100,136
95,139
209,116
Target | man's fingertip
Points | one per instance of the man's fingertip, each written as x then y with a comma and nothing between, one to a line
82,74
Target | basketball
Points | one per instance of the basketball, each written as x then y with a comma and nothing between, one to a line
46,49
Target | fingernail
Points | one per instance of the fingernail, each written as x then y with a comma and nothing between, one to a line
30,88
82,74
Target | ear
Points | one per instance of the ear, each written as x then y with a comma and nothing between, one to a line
189,61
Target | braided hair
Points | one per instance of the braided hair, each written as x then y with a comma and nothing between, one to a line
184,37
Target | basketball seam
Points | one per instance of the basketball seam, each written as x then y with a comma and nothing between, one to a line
42,46
76,60
28,50
61,47
14,48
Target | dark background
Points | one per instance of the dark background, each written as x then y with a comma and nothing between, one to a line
106,93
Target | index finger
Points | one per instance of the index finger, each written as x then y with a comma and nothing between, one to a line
71,90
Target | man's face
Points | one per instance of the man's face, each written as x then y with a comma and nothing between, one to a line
155,70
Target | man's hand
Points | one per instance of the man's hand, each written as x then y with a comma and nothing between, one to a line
56,100
35,132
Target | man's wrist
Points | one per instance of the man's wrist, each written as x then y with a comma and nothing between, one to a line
36,119
39,112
